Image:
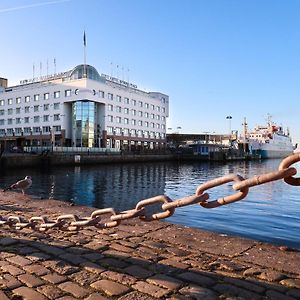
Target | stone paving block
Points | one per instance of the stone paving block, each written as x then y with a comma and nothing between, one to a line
198,292
38,256
96,296
110,288
111,262
165,281
19,260
30,280
28,293
9,282
3,296
93,256
245,285
152,290
50,291
138,272
197,278
12,270
294,293
94,268
271,276
26,250
36,269
121,248
119,277
54,278
60,267
231,290
174,263
274,295
84,277
74,289
136,296
116,254
291,283
66,298
72,259
8,241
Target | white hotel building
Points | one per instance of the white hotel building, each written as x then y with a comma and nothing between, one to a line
81,108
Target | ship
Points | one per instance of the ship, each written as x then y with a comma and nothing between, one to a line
268,141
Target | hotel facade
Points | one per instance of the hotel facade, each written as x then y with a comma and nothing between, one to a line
81,108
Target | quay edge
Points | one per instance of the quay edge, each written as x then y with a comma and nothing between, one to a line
144,260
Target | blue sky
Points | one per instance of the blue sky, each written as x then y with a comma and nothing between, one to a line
214,58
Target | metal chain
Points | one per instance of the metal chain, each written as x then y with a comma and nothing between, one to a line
72,222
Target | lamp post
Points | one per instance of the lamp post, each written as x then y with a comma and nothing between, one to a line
229,118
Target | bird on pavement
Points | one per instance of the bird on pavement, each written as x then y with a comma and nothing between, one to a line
22,185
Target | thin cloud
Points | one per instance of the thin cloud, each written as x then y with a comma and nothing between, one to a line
3,10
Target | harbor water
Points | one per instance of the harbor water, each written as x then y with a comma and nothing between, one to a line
270,212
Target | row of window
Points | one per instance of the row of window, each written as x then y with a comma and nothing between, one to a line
29,130
135,122
135,132
36,119
36,108
35,97
134,112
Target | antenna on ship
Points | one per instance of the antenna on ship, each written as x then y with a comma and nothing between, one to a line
84,54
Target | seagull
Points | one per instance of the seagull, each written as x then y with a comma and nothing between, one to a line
21,185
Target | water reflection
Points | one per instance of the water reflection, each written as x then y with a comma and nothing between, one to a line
270,212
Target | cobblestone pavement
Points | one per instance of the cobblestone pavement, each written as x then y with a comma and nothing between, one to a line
136,261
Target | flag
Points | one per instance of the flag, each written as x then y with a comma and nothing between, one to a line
84,39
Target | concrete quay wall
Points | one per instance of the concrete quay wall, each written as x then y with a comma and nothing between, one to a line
29,160
136,260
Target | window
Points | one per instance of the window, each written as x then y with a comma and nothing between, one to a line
57,128
36,129
119,120
46,107
56,117
140,104
110,107
26,120
18,120
119,109
1,112
119,99
9,121
133,122
9,101
157,126
140,123
110,96
27,99
1,121
157,117
56,94
163,109
46,118
152,116
27,109
46,129
2,131
67,93
101,94
36,108
163,118
146,115
18,110
18,100
110,118
158,108
146,105
140,113
133,112
146,124
133,102
133,132
36,119
10,131
27,130
56,105
126,121
46,96
36,97
126,111
163,126
10,111
1,102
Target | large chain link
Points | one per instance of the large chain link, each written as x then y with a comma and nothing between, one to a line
107,217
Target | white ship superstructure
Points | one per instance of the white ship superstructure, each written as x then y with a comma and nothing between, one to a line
269,141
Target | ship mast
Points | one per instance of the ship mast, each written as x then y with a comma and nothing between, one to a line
245,129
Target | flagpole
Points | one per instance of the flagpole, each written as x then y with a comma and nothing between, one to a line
84,48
